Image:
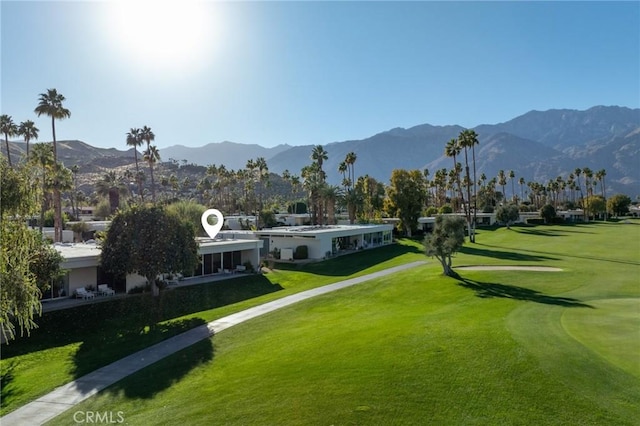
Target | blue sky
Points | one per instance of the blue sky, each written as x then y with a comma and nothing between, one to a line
310,72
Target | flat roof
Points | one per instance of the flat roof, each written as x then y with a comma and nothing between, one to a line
318,230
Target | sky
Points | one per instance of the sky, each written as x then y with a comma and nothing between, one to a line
301,73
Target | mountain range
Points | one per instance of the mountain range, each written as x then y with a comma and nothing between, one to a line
538,145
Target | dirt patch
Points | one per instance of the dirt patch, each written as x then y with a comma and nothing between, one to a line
508,268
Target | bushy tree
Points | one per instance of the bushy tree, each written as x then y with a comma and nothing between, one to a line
596,204
618,204
149,241
445,240
508,214
405,197
547,212
191,212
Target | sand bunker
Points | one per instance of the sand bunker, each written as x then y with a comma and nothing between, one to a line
509,268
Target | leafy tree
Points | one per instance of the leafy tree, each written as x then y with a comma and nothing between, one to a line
149,241
547,212
191,212
445,209
405,197
596,204
445,240
618,204
508,214
19,247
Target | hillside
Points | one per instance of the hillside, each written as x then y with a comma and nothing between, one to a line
538,145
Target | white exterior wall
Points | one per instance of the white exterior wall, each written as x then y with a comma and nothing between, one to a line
82,277
314,245
135,280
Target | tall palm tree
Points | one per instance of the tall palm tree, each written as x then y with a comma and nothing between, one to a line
512,176
151,156
469,139
42,155
578,172
521,182
319,155
8,128
452,149
350,159
134,139
28,131
50,104
342,168
502,181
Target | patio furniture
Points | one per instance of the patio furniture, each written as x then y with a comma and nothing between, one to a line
240,268
105,290
84,293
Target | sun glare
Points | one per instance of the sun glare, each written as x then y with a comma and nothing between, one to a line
159,33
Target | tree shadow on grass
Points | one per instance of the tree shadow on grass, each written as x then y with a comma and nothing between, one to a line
505,255
156,376
6,379
488,290
149,381
128,317
352,263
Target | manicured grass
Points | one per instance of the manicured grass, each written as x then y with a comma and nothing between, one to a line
495,347
74,342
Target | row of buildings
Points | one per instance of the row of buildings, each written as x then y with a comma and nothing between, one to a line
238,250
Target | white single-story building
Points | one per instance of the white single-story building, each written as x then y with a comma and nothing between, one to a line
222,255
323,241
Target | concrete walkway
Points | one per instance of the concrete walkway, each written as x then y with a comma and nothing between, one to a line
65,397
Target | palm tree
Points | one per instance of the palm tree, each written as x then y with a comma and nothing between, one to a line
313,182
512,176
521,182
578,172
42,155
74,205
502,181
50,103
350,160
600,174
8,128
134,139
112,186
342,168
28,131
330,194
452,149
151,156
319,155
147,135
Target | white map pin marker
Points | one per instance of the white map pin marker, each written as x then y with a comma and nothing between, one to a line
212,230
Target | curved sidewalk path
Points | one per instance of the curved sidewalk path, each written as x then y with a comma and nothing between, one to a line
65,397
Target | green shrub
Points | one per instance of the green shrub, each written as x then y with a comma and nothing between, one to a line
431,211
446,209
301,252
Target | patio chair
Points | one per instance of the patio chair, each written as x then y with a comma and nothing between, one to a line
84,293
106,290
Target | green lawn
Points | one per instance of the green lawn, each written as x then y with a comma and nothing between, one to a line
71,343
496,347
